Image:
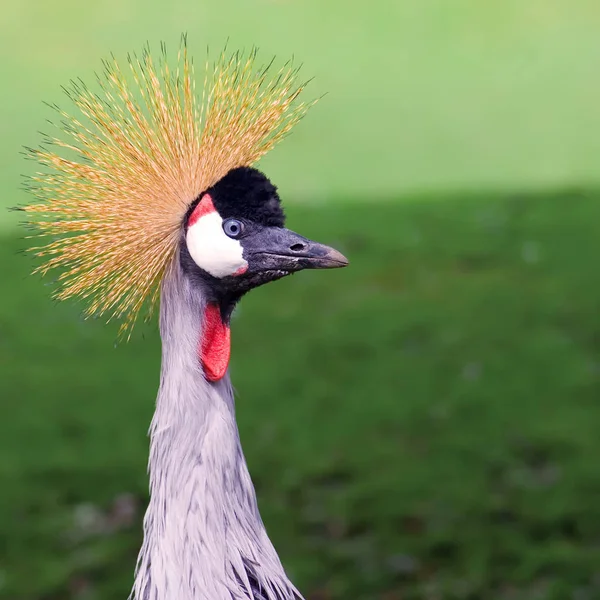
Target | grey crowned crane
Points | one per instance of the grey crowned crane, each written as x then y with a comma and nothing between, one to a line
149,194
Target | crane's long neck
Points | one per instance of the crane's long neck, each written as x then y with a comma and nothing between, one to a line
203,535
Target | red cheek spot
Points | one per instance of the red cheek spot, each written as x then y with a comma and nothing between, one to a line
203,208
241,270
215,345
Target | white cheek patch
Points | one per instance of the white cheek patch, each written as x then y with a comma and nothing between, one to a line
212,250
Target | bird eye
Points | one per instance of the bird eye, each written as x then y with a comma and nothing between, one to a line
233,228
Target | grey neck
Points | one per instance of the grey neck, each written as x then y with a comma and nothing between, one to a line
203,535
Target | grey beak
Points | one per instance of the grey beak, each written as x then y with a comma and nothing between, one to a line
319,256
276,248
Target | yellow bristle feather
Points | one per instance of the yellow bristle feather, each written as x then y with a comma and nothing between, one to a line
143,150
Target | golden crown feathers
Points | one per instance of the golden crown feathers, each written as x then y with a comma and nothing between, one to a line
122,175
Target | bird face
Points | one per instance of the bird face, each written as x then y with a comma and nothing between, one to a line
234,239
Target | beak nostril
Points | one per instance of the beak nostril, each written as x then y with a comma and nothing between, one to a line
297,247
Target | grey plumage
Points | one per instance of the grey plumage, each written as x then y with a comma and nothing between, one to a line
204,538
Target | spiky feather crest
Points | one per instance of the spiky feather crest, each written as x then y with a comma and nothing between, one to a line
122,178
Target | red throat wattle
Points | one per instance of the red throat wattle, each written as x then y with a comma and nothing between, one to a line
215,346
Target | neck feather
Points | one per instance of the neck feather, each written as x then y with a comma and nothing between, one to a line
203,535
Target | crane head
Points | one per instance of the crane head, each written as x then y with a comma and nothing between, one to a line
234,239
149,172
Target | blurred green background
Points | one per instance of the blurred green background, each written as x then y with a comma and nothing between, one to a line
421,425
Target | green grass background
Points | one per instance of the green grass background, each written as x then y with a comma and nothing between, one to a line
421,425
422,94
